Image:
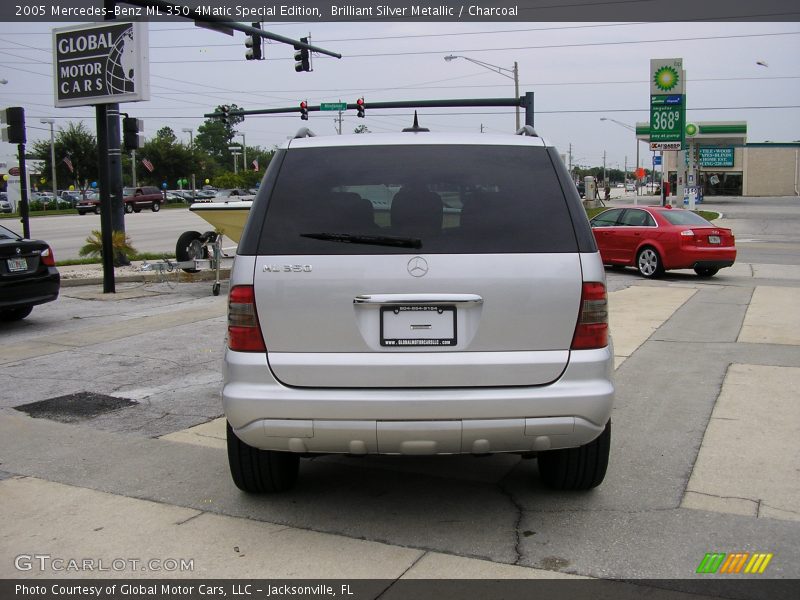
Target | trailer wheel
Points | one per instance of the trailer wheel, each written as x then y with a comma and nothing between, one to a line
190,247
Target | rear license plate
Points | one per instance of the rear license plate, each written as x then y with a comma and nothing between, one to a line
418,325
713,239
17,264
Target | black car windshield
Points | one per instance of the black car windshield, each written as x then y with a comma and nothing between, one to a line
446,199
7,234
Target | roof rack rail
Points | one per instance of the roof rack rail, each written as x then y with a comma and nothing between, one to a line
304,132
527,130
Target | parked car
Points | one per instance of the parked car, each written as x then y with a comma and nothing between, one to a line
28,275
5,205
88,202
581,186
361,324
655,239
134,198
137,198
630,187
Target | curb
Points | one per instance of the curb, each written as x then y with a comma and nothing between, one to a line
150,277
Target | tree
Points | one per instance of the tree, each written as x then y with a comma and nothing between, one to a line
79,145
214,136
171,160
362,129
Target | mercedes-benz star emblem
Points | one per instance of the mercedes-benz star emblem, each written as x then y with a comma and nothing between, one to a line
417,266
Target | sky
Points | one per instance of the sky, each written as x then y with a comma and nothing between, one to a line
579,73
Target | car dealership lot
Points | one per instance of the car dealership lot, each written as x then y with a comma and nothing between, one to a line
704,457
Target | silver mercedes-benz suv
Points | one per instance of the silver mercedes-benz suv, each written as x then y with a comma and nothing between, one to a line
417,293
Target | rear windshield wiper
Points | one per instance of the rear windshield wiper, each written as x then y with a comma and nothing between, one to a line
375,240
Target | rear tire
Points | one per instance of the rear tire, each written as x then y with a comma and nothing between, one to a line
705,271
581,468
258,471
15,314
190,247
129,208
649,264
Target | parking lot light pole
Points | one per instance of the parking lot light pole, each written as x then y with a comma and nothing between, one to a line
52,122
244,150
512,73
190,131
234,150
633,129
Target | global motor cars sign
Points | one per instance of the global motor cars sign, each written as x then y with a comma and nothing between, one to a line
100,64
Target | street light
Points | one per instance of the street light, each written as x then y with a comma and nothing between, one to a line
244,149
190,131
234,150
514,74
52,122
633,129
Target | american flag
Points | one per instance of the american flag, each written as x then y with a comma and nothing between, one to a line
255,165
148,165
68,162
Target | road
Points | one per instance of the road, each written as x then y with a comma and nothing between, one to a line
149,231
704,449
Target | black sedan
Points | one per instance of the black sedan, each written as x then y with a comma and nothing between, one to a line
28,275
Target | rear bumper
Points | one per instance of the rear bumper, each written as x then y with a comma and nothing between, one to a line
570,412
31,291
703,257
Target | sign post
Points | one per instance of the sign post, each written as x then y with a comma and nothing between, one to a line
103,64
667,107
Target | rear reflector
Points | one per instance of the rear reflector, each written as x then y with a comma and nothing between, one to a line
592,328
244,332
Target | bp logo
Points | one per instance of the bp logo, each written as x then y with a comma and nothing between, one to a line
666,78
691,129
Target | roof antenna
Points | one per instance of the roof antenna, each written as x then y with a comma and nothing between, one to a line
415,128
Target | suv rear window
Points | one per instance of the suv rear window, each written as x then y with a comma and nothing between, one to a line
455,199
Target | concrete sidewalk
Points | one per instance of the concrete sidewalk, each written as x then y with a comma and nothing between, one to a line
96,490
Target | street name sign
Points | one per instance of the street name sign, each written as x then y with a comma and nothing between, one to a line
100,63
333,106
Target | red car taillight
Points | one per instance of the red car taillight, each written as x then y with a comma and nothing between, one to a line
47,258
592,328
244,333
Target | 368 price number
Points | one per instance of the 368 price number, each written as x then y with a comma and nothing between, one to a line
667,120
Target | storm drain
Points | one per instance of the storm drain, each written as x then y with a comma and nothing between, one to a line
74,407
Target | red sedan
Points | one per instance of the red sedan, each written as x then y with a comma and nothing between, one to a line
654,239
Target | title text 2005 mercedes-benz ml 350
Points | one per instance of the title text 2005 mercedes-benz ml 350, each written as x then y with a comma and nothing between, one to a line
417,294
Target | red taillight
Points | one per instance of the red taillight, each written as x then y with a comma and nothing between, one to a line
244,333
592,328
47,258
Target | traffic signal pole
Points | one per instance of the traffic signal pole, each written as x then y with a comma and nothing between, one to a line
525,101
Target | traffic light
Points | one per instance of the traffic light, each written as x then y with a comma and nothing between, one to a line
254,45
225,117
14,119
131,133
360,106
304,110
303,57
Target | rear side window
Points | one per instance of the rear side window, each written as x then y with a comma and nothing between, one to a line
684,217
452,199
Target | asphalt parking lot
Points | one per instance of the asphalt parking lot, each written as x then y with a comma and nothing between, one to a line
126,458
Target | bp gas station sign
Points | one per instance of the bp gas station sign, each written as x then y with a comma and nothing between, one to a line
667,104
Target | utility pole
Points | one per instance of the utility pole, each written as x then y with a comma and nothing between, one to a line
133,168
570,161
604,167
